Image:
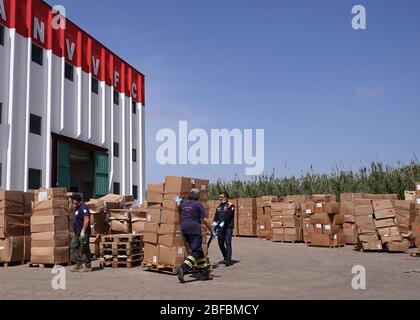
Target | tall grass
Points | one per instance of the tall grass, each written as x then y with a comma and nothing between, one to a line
376,178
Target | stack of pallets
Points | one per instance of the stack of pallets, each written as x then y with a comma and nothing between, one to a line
121,250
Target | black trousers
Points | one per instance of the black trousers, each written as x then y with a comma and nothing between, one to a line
197,255
225,243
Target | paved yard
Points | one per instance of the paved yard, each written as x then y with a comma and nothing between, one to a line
265,270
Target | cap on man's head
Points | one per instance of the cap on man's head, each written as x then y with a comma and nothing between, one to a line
76,197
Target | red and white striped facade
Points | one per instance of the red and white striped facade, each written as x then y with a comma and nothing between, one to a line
67,108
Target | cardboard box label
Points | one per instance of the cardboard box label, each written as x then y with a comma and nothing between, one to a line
42,196
318,225
262,227
180,250
203,187
418,187
319,205
327,227
154,259
308,211
418,201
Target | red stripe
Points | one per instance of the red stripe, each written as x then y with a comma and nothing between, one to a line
21,15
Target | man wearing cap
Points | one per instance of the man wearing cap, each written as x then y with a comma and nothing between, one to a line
82,232
192,216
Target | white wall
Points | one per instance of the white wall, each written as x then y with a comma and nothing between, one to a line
64,98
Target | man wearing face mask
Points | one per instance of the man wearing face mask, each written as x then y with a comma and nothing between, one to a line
225,213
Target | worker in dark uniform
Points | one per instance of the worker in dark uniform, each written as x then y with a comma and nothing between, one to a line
225,212
81,237
192,216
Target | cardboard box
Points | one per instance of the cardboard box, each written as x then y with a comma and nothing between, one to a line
366,220
171,229
11,225
276,224
308,228
172,240
178,185
362,202
15,249
155,193
171,256
49,224
317,228
320,240
338,219
137,227
337,239
151,253
372,245
385,213
368,237
349,218
149,237
322,218
11,202
119,226
278,235
308,207
331,207
385,223
50,255
363,210
382,204
52,193
54,207
154,213
388,238
170,217
401,246
332,229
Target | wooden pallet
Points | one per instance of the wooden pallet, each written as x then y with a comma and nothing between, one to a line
287,241
159,268
118,238
336,246
127,248
47,265
12,263
119,264
124,258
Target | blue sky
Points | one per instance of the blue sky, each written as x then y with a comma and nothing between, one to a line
324,93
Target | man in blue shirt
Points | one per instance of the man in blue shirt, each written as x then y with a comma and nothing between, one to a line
192,216
81,237
225,213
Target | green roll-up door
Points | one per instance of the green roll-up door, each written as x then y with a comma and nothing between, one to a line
63,165
101,174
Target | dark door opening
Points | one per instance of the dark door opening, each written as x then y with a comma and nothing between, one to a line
80,167
82,172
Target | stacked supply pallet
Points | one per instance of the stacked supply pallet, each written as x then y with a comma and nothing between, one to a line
15,238
50,228
367,236
123,250
247,217
416,223
286,223
264,216
327,225
165,248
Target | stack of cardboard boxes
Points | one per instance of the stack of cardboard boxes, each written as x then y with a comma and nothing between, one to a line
405,211
164,243
347,208
386,226
247,217
367,236
15,238
286,222
327,223
416,223
264,216
50,227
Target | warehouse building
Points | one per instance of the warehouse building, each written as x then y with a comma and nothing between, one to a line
71,111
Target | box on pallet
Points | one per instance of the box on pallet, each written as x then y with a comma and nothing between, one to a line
15,249
155,193
174,256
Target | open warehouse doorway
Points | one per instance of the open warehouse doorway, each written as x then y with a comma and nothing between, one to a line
79,167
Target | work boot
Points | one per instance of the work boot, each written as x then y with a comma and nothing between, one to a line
76,269
86,269
228,263
206,276
180,273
